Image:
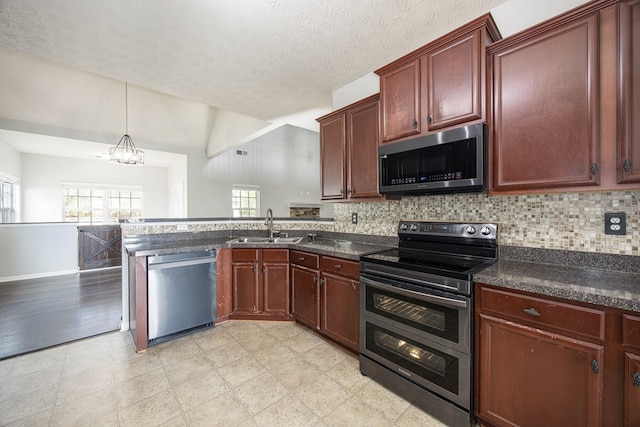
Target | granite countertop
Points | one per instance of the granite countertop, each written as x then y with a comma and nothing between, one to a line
617,289
333,247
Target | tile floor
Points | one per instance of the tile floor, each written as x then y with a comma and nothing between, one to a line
240,373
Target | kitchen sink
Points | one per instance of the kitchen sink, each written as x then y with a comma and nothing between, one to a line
267,240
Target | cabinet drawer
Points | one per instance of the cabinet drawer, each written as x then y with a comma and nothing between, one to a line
631,330
340,266
570,319
305,259
275,254
244,254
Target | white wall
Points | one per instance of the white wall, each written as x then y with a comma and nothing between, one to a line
43,175
285,163
37,249
10,160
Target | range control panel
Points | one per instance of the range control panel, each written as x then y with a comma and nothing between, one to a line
449,229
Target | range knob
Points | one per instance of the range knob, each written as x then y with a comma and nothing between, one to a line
414,227
471,229
403,227
485,230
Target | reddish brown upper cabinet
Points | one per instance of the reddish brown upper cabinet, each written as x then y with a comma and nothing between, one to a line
564,95
628,159
437,86
348,152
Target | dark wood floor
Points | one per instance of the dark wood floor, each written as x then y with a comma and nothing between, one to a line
43,312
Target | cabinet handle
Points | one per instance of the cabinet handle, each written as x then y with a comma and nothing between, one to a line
301,258
353,285
315,279
254,270
627,165
337,266
429,119
635,378
322,281
594,169
595,367
532,312
415,123
264,270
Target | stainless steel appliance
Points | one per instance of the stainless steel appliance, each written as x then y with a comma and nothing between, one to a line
181,293
416,321
452,161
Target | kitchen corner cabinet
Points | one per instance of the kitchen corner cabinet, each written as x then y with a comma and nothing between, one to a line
437,86
349,151
563,96
260,284
326,296
539,362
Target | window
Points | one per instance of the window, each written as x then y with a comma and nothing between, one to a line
245,201
7,201
95,204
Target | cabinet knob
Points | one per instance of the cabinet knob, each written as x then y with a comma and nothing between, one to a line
594,169
429,119
532,312
322,281
627,165
301,258
337,266
635,378
415,123
595,367
315,279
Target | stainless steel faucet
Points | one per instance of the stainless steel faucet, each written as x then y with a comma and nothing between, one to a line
269,222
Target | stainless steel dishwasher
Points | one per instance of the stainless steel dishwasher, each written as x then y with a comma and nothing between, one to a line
181,293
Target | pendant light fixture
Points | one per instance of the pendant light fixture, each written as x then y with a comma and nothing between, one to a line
126,153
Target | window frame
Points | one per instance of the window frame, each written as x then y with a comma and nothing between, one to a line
237,209
101,212
8,214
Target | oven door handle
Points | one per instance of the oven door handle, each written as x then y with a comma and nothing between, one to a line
422,296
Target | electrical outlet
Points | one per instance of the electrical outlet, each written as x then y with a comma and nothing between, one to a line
354,218
615,223
182,227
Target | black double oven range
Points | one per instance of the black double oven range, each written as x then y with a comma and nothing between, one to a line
416,314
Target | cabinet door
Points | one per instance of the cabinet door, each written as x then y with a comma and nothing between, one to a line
400,101
275,284
452,80
332,157
631,390
546,110
305,299
340,309
529,377
362,126
245,287
629,94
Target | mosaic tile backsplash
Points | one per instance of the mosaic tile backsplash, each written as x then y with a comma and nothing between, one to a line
564,221
567,221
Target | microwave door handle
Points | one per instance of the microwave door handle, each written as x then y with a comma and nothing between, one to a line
423,296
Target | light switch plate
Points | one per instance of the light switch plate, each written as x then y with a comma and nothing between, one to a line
615,223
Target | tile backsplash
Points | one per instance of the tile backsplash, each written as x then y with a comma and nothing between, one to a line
567,221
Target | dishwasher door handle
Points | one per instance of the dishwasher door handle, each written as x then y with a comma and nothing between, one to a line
174,264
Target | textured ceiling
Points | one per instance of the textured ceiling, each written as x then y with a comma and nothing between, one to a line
261,58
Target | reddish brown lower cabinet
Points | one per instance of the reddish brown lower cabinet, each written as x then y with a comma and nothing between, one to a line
260,283
340,317
531,377
631,389
326,296
539,361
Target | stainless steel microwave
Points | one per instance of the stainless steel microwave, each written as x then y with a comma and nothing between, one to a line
453,161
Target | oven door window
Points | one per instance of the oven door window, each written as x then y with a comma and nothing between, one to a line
414,358
434,319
